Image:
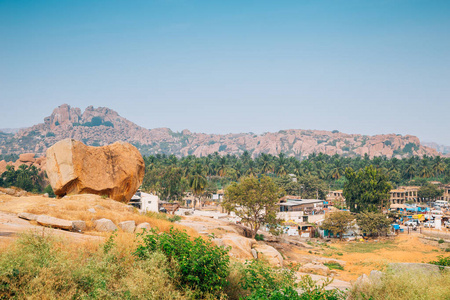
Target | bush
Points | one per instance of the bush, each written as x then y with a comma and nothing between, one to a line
38,267
404,284
442,261
334,266
441,241
174,218
259,237
49,190
197,264
262,281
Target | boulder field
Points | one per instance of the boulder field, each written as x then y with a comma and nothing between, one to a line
115,170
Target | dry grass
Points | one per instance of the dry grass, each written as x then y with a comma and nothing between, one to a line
76,208
406,285
48,267
363,257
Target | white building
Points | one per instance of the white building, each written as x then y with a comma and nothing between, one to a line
149,202
301,210
145,202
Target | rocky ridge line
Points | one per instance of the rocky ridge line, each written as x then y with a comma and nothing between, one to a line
102,126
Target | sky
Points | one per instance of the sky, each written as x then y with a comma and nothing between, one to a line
357,66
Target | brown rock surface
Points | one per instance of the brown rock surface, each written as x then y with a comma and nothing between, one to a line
115,170
269,253
66,122
54,222
27,157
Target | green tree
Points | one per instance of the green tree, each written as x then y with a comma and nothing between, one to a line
49,190
254,201
373,224
338,222
366,189
429,191
197,183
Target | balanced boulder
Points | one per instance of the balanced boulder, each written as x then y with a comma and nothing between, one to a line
116,170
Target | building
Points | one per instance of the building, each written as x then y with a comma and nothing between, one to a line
405,194
145,202
301,210
446,195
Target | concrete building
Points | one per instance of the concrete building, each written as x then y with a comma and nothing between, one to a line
301,210
405,194
145,202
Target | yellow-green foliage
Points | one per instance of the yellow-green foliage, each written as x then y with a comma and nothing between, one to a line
36,267
400,285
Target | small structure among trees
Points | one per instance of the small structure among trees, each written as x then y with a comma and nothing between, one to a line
338,222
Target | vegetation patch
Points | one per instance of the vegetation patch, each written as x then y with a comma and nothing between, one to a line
368,247
334,266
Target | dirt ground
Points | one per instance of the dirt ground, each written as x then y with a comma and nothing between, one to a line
362,257
358,257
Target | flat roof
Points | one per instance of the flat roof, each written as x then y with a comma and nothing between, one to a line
294,202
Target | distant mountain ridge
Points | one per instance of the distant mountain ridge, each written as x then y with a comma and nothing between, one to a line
102,126
440,148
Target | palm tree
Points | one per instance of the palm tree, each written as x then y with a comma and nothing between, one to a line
197,183
438,166
266,163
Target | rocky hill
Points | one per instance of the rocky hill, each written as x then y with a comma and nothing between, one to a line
440,148
101,126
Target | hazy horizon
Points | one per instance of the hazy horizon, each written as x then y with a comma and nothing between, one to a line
362,67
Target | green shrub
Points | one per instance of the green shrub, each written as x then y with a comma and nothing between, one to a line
49,190
174,218
442,261
334,266
262,282
259,237
36,267
197,264
441,241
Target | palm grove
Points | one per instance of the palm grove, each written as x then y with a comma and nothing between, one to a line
366,182
171,177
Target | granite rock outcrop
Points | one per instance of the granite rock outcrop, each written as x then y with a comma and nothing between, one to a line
116,170
102,126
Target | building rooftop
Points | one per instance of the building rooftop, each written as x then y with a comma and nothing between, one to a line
294,202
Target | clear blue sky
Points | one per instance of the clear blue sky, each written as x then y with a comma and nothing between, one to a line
358,66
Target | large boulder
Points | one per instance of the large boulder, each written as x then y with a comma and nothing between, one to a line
105,225
27,157
240,246
127,226
316,268
54,222
143,226
268,253
28,216
116,170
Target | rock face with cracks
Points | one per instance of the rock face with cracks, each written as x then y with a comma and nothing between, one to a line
116,170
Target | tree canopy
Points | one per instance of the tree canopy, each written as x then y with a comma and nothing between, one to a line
373,224
366,189
429,191
338,222
254,201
